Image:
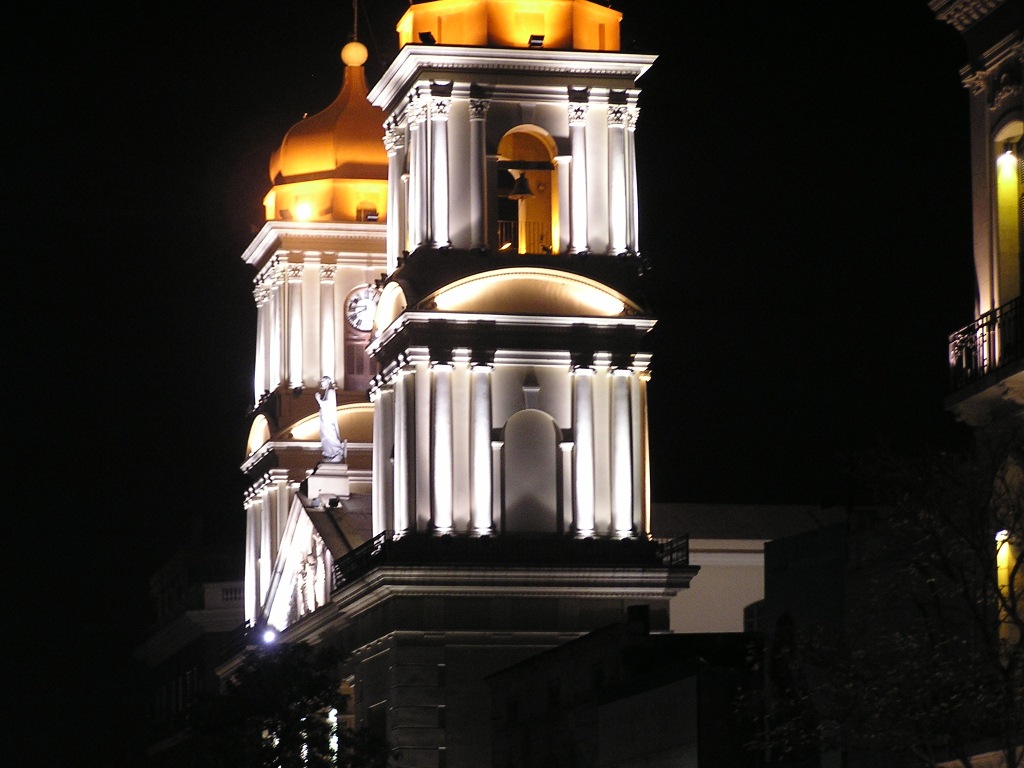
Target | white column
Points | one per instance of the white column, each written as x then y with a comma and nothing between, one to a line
328,326
295,325
383,483
277,296
617,178
578,174
281,504
563,164
403,467
632,208
253,540
439,107
621,455
477,179
480,450
394,144
583,463
417,115
641,458
260,378
268,547
442,510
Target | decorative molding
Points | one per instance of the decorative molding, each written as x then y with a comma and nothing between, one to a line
961,14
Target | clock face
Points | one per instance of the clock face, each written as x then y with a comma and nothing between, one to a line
360,307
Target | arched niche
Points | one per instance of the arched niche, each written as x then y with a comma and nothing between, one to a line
530,474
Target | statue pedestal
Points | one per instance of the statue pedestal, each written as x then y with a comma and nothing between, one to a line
328,481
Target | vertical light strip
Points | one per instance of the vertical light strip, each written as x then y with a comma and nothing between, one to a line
578,172
477,150
442,512
403,424
295,325
633,207
439,108
616,178
583,463
394,145
621,455
253,538
328,326
480,449
277,298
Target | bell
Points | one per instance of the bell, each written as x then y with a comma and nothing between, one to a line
520,188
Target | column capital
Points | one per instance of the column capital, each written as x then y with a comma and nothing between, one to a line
632,115
439,107
327,272
578,113
394,139
478,108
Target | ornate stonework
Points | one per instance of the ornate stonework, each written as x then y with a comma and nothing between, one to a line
961,14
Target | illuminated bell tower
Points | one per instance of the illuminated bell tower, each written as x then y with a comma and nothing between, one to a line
509,493
510,333
317,260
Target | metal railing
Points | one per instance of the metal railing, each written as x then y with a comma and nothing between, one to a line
994,340
534,235
547,550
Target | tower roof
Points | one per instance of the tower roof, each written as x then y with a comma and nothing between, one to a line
344,142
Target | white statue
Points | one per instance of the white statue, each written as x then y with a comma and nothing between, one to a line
330,438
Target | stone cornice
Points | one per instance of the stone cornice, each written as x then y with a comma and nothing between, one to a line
315,236
439,62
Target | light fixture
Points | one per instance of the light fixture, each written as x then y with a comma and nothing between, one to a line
427,38
505,246
269,636
536,41
520,188
1003,535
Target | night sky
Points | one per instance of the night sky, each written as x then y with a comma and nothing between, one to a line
803,192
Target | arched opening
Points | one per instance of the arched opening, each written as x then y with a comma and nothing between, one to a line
530,493
527,205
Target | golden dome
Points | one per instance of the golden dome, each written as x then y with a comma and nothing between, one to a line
332,166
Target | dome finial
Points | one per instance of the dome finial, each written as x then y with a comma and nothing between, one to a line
354,54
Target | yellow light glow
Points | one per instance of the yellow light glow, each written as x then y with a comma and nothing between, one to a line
577,24
303,211
531,291
259,434
390,305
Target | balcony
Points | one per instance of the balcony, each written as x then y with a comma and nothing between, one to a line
992,342
525,551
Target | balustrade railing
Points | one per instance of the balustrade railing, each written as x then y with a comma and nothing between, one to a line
552,550
535,236
994,340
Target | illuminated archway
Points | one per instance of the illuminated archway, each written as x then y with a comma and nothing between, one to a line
526,224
